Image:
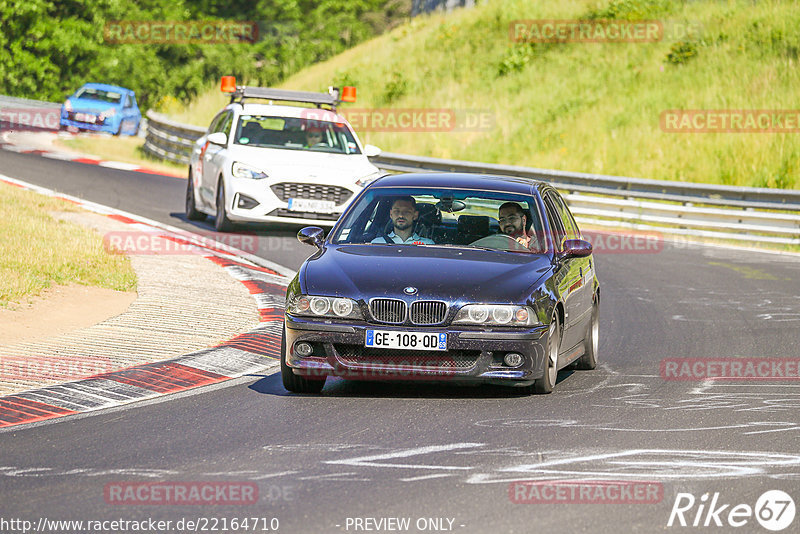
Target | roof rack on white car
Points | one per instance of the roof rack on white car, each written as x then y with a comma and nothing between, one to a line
332,98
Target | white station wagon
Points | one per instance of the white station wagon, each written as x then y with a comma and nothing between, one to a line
263,162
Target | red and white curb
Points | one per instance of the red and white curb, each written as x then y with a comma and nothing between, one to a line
5,144
252,352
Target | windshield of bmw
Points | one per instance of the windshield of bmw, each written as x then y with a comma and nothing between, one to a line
295,133
89,93
444,217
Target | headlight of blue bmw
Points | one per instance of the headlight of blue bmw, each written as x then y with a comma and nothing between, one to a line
316,306
496,314
240,170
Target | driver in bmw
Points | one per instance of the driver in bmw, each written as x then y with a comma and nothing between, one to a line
404,214
513,222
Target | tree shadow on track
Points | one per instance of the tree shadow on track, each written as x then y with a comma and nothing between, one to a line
338,387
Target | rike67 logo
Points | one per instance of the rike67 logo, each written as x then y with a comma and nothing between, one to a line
774,510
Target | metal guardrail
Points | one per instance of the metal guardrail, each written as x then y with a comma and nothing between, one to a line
168,139
746,197
700,210
14,102
724,212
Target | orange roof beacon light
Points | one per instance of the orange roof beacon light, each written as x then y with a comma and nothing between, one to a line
348,93
228,84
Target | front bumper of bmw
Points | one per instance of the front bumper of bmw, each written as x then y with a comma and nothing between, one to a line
472,355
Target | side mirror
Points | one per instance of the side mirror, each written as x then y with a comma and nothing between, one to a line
311,235
371,151
218,138
577,248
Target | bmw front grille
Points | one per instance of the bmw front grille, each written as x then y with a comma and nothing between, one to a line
395,311
428,311
390,311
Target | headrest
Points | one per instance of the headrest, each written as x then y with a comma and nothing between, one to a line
473,224
429,213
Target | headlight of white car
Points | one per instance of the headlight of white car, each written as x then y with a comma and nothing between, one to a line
240,170
368,179
496,314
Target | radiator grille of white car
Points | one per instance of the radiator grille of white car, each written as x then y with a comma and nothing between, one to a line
285,191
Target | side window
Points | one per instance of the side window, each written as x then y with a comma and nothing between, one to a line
570,226
372,228
224,125
213,127
556,225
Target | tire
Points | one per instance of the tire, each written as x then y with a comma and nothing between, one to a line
588,361
545,383
191,208
222,223
294,383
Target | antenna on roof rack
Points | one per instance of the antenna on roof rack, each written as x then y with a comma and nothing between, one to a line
331,98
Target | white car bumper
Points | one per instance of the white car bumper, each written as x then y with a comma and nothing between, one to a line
314,202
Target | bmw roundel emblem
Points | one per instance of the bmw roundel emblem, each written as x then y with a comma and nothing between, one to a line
410,290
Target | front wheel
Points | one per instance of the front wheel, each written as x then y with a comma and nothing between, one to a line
548,380
222,223
191,207
589,359
294,383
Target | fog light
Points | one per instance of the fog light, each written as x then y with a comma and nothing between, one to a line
513,359
303,349
245,202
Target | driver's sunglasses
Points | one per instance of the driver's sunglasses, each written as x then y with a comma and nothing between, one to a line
510,218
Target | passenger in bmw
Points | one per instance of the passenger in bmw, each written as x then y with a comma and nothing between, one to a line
514,223
404,215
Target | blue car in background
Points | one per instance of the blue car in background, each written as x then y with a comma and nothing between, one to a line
102,108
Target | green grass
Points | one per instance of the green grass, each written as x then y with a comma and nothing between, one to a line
584,107
37,251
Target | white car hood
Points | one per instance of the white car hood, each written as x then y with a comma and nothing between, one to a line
304,165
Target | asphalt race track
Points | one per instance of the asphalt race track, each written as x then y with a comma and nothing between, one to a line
440,455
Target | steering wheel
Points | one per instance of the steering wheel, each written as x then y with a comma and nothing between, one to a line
499,242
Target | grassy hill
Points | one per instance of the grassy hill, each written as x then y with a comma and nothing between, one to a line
589,107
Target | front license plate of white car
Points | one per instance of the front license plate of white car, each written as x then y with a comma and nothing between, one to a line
311,205
395,339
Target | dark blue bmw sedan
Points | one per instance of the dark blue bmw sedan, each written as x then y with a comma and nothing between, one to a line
458,277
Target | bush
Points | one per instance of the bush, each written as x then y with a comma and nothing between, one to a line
395,88
681,52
